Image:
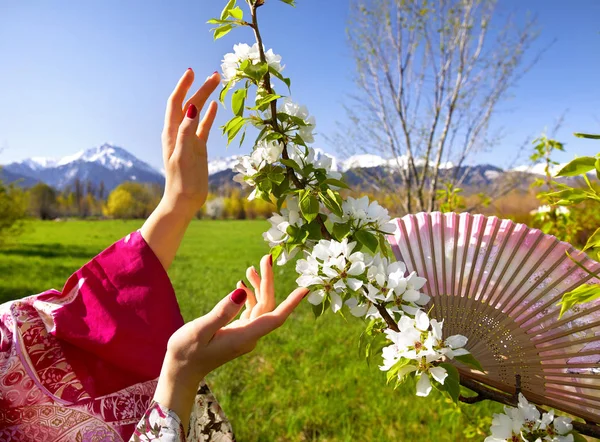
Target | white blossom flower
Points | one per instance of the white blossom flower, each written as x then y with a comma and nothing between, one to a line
242,52
287,106
333,269
363,214
307,155
249,165
290,216
387,285
525,423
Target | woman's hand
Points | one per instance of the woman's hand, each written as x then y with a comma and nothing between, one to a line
184,139
208,342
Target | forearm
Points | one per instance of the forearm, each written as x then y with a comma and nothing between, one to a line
176,390
165,227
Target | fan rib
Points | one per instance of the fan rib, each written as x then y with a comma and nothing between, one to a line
465,253
564,344
422,253
569,331
482,225
573,384
495,229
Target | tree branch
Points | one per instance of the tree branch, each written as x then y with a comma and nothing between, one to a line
274,123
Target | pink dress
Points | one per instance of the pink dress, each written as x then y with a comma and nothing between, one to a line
81,364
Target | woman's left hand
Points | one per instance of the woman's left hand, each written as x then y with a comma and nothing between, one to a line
208,342
184,139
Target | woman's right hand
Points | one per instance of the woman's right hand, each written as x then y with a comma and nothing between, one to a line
208,342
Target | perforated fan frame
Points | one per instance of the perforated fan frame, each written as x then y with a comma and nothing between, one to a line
499,283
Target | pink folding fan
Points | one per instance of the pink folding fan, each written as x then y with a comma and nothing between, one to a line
498,283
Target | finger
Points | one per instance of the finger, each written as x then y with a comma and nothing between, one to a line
250,300
267,288
223,313
207,122
174,113
275,319
189,125
254,278
202,94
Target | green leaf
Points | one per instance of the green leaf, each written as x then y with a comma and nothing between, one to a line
255,71
292,164
278,75
580,135
582,294
289,2
383,245
236,13
578,437
238,99
216,21
309,206
337,183
340,231
469,360
452,381
578,166
233,127
593,241
225,12
265,100
222,31
368,239
568,196
225,90
318,310
276,252
597,166
332,201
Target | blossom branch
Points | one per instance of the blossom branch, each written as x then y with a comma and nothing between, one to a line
273,104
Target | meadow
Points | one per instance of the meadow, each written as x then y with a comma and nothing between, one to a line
304,382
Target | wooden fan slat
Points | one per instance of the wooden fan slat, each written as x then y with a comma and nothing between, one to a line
443,299
541,399
575,398
465,253
495,229
530,251
544,292
552,303
436,285
572,375
492,271
544,366
568,331
567,343
421,253
481,223
580,385
493,297
576,354
519,302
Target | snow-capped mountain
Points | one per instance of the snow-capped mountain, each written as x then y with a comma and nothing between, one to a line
108,164
113,165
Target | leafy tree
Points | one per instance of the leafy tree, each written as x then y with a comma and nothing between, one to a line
13,210
131,200
43,201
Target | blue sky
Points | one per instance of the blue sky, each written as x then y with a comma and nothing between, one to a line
76,74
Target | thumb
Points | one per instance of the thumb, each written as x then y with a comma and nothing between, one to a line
224,312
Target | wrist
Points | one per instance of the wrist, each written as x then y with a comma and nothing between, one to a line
179,206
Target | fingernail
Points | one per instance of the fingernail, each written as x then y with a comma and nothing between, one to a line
238,296
189,69
243,283
271,260
215,72
306,294
192,112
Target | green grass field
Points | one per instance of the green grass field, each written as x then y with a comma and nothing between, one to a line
303,383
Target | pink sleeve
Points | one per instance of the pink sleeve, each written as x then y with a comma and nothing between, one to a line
115,317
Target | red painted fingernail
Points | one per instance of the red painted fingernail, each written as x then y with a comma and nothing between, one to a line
306,294
215,72
189,69
192,112
243,283
238,296
271,260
